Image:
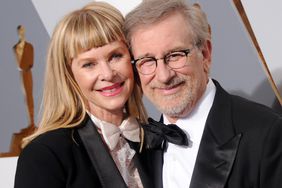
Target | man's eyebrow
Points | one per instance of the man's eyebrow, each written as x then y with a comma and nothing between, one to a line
145,55
165,53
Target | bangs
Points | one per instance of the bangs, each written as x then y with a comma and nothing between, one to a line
88,30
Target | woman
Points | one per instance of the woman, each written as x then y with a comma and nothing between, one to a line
89,133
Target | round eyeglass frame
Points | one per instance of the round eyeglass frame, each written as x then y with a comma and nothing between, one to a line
165,58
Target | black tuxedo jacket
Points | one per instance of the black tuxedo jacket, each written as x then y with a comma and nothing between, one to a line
241,146
73,158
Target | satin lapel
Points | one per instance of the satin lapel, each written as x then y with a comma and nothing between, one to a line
140,160
157,168
214,162
157,160
100,158
153,160
218,146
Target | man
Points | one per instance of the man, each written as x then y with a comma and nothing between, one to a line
234,143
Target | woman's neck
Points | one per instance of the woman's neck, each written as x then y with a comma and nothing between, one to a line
115,118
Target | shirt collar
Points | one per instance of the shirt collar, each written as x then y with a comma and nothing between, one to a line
129,129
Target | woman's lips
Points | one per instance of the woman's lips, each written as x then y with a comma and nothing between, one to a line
112,90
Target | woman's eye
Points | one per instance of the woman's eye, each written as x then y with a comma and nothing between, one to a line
88,65
115,57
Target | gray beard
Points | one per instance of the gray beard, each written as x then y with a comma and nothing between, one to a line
185,100
177,110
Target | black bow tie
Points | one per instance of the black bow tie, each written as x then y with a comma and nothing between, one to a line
156,135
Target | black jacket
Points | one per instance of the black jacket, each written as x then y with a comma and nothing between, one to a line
73,158
241,146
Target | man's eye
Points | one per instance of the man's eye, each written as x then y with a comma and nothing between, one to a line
175,56
147,62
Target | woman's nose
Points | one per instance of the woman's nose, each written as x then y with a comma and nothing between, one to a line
106,71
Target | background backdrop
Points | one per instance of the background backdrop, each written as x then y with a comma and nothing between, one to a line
236,63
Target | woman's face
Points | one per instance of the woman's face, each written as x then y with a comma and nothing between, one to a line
105,77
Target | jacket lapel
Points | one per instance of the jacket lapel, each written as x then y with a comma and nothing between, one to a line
218,146
214,162
157,167
156,164
140,160
100,158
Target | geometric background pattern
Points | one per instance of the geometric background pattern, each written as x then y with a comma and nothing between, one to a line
265,23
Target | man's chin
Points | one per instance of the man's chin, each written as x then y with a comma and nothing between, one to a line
172,111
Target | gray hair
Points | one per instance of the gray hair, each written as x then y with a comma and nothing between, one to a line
154,11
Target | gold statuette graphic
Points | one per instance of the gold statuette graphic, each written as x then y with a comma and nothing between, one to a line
24,57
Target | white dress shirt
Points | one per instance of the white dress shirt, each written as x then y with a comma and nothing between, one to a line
179,161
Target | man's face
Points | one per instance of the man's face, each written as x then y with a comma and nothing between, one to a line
173,91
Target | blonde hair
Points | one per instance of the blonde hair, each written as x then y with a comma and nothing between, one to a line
154,11
63,104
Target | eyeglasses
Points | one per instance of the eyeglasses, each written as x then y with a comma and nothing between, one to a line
174,60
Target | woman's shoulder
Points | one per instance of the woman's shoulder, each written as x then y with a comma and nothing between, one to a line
62,135
45,158
55,140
